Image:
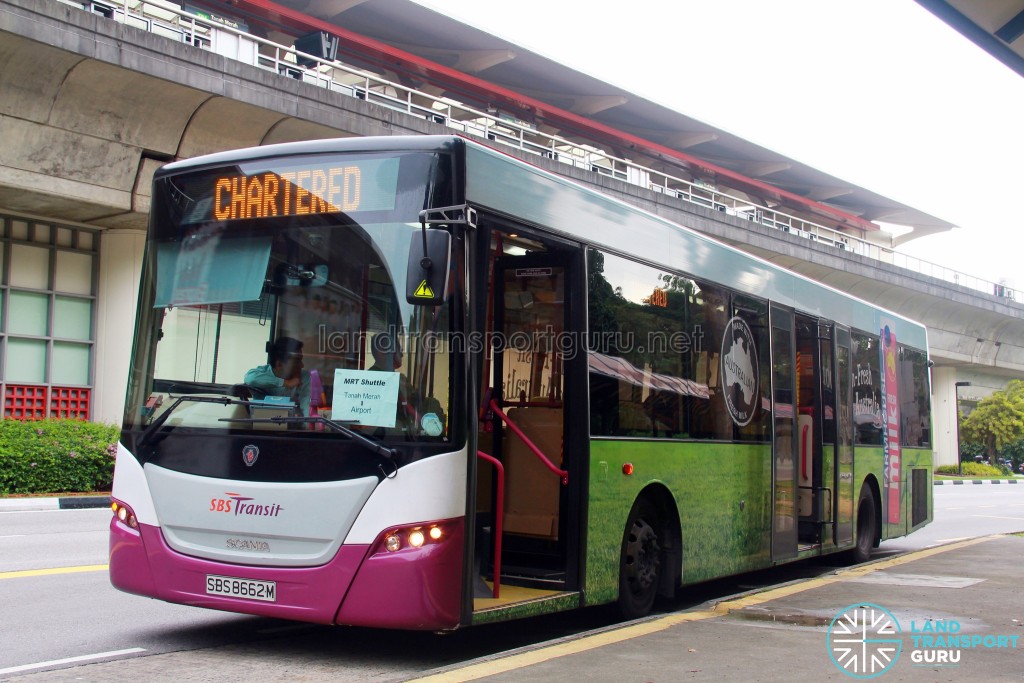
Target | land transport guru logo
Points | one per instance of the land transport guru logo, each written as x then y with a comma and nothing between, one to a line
866,640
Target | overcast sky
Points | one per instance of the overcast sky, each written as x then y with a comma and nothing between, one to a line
877,92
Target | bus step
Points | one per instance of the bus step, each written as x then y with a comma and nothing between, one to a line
526,576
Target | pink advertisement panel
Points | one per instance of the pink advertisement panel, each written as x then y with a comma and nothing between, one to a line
891,411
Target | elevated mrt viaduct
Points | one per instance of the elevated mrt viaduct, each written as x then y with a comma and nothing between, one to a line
91,104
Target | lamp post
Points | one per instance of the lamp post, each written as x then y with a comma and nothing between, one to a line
959,458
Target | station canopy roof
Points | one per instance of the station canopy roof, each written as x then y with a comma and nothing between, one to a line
433,36
996,26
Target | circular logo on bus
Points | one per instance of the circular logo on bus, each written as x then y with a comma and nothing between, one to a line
249,454
740,371
864,640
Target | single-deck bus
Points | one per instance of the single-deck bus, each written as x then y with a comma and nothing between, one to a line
413,382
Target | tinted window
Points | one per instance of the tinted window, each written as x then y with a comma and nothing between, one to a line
661,362
915,398
867,390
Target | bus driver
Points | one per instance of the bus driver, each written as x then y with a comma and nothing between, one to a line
284,375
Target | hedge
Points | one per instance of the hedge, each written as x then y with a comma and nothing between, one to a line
56,456
972,469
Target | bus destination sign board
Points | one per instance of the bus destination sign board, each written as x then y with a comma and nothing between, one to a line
302,190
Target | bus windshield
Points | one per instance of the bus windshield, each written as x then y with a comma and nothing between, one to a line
280,287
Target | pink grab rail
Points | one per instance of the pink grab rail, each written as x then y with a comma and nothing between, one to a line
529,444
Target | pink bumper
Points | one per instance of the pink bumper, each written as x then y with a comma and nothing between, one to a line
410,589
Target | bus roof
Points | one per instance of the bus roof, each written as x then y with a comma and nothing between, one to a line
519,190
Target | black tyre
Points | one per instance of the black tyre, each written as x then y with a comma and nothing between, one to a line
640,562
866,524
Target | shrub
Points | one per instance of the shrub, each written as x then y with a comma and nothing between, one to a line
56,456
972,469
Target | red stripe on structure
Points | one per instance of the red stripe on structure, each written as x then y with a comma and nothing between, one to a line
484,92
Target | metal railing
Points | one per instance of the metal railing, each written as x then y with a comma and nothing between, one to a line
232,41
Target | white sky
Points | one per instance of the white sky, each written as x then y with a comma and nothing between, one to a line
879,93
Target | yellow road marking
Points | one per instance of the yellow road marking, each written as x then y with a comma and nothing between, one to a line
54,570
518,661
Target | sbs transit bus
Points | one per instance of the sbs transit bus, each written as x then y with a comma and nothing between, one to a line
412,382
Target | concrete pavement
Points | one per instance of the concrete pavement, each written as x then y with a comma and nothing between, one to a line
953,612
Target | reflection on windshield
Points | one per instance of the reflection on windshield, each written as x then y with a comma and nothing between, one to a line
303,321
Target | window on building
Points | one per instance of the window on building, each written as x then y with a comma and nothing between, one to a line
48,275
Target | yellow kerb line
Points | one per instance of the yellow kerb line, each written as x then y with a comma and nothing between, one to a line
513,662
53,571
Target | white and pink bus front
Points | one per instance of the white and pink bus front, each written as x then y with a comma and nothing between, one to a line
290,444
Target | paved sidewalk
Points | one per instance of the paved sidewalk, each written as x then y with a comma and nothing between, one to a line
957,612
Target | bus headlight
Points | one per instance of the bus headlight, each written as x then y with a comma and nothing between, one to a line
413,536
124,514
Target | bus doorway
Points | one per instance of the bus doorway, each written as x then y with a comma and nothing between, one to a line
816,430
529,424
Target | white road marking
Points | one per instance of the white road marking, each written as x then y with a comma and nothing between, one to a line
71,660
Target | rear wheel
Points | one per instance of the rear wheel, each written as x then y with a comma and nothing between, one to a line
866,523
640,562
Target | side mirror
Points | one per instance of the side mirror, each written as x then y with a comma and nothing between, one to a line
426,282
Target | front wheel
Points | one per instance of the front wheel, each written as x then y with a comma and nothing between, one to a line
640,561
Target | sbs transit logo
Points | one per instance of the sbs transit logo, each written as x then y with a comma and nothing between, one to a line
241,506
864,640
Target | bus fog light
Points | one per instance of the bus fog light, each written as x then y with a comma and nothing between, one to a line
435,533
416,538
392,543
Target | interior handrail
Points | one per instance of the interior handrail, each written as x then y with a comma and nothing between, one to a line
498,517
529,444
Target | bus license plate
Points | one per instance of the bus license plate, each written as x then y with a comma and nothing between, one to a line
241,588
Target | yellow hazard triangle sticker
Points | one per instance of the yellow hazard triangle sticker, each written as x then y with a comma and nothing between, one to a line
424,291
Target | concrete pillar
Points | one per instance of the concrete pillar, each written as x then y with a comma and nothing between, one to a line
120,268
944,442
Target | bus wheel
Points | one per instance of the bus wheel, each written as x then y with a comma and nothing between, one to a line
640,561
865,527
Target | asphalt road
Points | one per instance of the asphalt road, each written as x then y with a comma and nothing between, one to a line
60,612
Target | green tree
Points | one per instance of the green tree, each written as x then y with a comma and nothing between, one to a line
998,420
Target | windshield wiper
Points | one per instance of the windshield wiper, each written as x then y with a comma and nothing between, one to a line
156,424
362,440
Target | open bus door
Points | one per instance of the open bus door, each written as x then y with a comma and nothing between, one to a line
525,425
817,464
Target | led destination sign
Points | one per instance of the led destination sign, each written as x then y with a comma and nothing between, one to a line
295,190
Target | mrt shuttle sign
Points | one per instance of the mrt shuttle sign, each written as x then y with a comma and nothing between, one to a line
367,397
